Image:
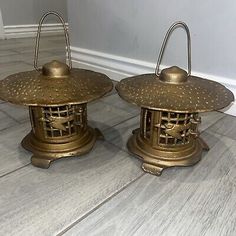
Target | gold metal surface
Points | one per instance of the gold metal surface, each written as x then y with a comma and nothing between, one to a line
32,88
194,95
58,132
170,103
57,96
167,139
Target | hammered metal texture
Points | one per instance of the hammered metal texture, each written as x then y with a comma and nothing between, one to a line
31,88
194,95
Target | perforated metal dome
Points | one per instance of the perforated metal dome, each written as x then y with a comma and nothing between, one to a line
174,91
54,85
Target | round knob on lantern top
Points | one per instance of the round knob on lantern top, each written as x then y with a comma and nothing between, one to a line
56,69
173,75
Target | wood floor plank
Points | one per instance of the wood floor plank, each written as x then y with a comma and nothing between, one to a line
198,200
6,121
34,201
119,134
116,101
9,44
9,68
17,112
225,126
25,57
4,53
104,116
209,118
13,156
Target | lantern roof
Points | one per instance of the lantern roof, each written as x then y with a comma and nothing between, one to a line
55,84
173,90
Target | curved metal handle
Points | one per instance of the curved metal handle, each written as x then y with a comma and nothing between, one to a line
170,30
36,51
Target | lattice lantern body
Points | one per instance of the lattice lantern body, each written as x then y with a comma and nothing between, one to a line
170,104
57,97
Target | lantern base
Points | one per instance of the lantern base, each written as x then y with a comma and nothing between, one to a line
156,160
45,153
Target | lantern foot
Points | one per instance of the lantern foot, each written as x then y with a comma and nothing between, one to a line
99,134
41,162
204,144
152,169
45,152
155,159
135,131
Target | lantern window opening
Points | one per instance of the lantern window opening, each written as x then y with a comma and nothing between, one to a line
32,119
167,120
145,123
68,118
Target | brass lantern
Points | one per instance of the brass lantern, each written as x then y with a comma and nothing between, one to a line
57,96
170,104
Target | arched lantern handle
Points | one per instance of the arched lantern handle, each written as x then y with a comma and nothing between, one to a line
170,30
36,51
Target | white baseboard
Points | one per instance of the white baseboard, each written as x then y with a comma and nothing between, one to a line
117,68
1,26
23,31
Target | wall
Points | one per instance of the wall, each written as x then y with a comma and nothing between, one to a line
20,17
124,36
22,12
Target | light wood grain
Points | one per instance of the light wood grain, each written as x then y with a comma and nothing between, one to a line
29,58
5,52
8,68
44,57
44,202
104,116
115,101
119,134
209,118
6,121
197,200
13,44
225,126
10,45
16,112
46,45
13,156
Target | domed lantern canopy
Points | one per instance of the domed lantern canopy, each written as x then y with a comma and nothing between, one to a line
170,104
57,97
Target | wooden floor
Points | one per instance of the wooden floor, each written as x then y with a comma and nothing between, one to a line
106,192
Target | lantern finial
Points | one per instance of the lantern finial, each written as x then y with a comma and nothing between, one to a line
55,69
174,75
